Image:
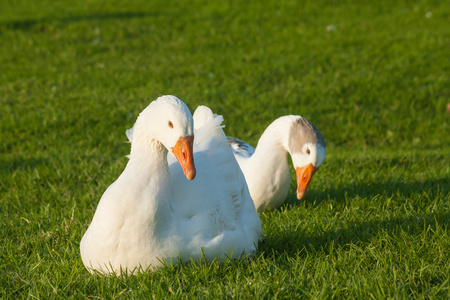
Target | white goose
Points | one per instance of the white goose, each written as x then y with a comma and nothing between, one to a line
266,168
153,214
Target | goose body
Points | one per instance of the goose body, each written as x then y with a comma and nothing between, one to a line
266,167
154,213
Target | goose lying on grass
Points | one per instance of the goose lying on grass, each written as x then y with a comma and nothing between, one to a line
154,214
266,168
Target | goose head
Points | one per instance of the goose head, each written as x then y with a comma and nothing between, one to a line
306,146
169,121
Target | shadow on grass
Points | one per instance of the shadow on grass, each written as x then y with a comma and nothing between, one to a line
292,242
28,24
19,163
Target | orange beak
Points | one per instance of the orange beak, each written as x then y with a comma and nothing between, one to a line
304,176
184,154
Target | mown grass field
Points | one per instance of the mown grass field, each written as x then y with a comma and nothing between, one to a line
372,76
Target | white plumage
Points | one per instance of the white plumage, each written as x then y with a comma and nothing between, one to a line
152,213
266,168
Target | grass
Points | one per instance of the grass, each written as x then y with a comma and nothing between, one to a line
373,77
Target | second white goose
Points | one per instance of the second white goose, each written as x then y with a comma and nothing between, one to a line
266,168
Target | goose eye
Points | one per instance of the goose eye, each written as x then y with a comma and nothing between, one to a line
170,124
308,152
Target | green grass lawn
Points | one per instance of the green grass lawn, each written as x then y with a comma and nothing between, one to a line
373,76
